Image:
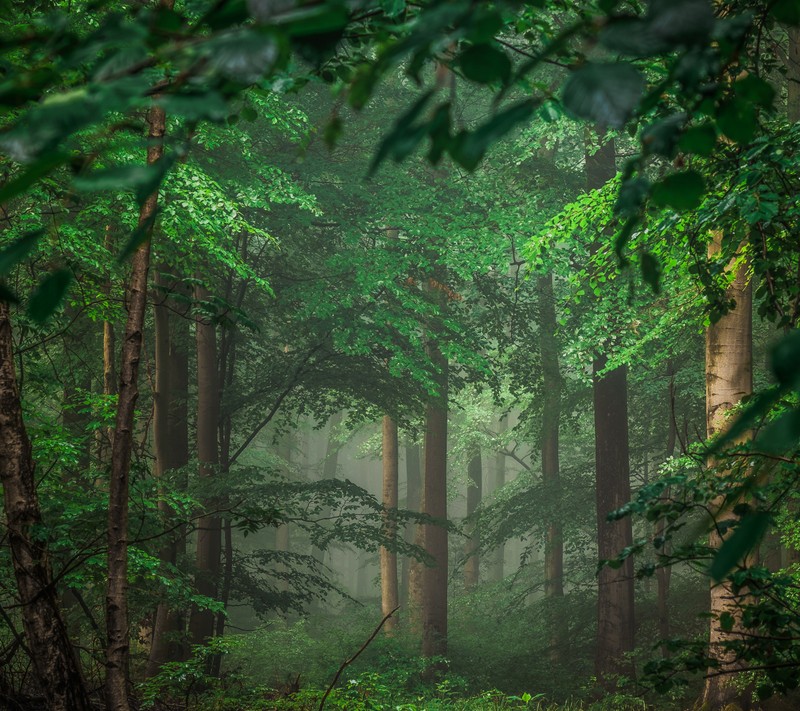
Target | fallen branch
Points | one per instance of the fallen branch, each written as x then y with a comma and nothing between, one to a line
349,661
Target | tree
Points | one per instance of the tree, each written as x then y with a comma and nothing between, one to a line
390,595
615,615
729,379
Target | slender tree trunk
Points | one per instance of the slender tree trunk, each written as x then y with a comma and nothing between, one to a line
499,557
434,504
551,473
729,378
55,664
209,529
170,444
664,573
117,629
411,566
793,76
472,571
615,612
330,466
389,590
282,533
106,435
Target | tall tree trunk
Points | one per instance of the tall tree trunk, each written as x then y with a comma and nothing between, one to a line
55,664
472,571
209,529
729,378
551,473
664,573
434,504
793,76
170,445
106,435
499,556
411,566
330,466
615,612
389,591
282,533
116,686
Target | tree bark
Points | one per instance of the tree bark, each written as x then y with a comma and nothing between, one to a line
472,571
499,556
116,686
410,568
615,611
106,435
793,76
55,664
664,573
171,450
729,378
388,556
209,528
551,473
434,504
330,466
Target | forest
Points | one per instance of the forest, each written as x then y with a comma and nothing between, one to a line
386,355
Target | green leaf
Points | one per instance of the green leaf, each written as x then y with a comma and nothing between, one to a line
631,197
785,359
756,409
746,536
18,250
140,234
485,64
48,295
738,120
782,434
755,90
787,11
6,295
661,138
699,140
604,93
195,106
726,621
467,149
651,271
404,136
680,191
393,8
37,170
143,180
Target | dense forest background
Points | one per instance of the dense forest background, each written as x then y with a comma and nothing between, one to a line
387,355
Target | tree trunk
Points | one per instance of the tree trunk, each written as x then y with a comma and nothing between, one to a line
664,573
117,631
729,378
282,532
410,566
55,664
209,528
434,504
330,466
793,76
472,571
389,591
615,612
499,556
170,444
106,435
551,474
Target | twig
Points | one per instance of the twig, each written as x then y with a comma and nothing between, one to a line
354,657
